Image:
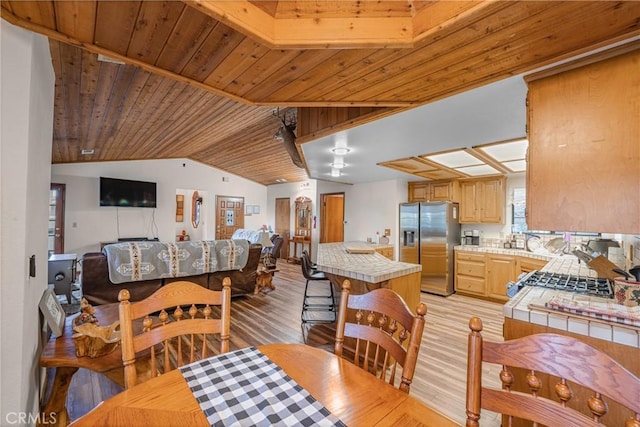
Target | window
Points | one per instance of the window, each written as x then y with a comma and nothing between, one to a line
518,219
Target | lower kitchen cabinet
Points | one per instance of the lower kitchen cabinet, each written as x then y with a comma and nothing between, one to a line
386,252
470,273
486,275
500,270
527,265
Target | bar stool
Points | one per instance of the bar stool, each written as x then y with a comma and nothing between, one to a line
316,302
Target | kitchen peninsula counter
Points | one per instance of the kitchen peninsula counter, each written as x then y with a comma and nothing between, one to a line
368,271
528,305
527,314
514,252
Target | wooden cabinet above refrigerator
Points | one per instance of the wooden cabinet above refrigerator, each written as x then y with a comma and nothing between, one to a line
434,191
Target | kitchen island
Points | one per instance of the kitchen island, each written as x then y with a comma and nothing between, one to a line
530,312
367,269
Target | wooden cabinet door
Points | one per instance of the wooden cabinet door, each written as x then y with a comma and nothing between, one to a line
500,270
583,164
483,201
419,191
441,191
468,208
492,200
527,265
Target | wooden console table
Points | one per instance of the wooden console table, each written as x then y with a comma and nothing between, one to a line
60,353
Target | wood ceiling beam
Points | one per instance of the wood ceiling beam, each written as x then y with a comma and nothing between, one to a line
310,32
349,28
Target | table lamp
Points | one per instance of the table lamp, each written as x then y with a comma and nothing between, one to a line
266,243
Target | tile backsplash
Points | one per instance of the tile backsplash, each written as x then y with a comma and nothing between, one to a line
494,236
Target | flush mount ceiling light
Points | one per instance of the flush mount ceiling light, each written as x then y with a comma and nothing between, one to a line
338,164
87,151
340,151
335,172
507,151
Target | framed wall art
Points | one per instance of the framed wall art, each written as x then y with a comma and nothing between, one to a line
52,311
179,208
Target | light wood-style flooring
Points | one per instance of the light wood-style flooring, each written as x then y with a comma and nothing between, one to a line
274,316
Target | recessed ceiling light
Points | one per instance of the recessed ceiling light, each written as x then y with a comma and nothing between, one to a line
86,151
338,164
335,172
340,151
281,180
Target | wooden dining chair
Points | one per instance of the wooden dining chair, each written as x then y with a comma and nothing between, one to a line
386,333
563,357
174,335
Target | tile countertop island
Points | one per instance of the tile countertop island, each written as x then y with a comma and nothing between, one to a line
367,271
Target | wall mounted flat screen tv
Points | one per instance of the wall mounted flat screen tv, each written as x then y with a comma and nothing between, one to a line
127,193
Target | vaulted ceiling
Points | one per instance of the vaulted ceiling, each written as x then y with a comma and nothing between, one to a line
201,79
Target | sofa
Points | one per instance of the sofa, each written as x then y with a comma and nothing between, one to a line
98,289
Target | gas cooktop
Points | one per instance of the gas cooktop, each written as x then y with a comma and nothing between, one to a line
565,282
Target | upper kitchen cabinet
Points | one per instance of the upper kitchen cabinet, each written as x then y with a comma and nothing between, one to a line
482,201
583,171
433,191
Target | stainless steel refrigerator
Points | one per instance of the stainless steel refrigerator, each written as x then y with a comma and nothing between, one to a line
428,233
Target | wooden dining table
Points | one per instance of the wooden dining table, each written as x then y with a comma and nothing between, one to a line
351,394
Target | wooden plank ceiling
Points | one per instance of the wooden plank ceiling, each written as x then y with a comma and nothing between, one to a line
202,85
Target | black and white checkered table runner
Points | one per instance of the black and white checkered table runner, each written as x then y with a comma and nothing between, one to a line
245,388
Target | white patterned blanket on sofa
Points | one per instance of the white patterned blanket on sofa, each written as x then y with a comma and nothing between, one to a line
251,235
135,261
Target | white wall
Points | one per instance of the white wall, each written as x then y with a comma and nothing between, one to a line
25,161
87,223
372,207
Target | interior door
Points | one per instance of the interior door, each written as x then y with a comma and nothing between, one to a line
283,224
332,218
56,219
229,216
